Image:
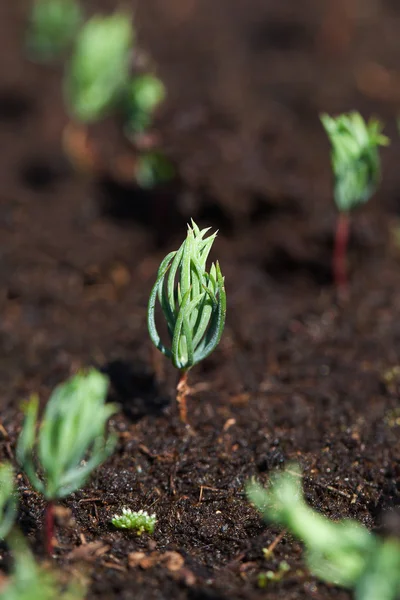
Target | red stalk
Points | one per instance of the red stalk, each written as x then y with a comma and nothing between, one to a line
340,254
182,390
49,527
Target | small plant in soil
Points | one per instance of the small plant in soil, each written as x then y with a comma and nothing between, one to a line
139,521
193,302
344,553
71,441
356,168
8,501
102,78
30,581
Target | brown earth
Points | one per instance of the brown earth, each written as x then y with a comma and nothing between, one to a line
296,376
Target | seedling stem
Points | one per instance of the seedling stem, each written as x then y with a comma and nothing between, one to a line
340,253
49,527
182,391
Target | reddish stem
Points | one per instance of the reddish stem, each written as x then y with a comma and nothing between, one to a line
49,527
181,394
340,254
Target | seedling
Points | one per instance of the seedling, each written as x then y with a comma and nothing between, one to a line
344,553
97,73
273,576
100,79
193,302
52,28
356,168
29,581
8,502
140,521
71,441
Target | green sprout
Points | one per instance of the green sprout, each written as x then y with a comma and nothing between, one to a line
29,581
340,552
8,502
152,169
97,73
357,172
146,92
140,521
267,577
72,439
193,302
52,28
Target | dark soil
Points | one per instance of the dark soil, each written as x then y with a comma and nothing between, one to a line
296,376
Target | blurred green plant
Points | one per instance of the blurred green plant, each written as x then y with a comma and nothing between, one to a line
153,168
145,93
29,581
140,521
97,73
8,500
71,441
193,302
98,82
357,172
52,28
344,553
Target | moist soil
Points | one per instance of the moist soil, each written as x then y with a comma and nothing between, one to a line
297,376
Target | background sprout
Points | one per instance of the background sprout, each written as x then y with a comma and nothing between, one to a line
193,302
29,581
338,552
97,73
152,169
140,521
72,439
356,168
52,28
8,502
145,93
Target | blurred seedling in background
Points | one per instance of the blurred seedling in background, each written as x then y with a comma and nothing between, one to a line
344,553
193,302
139,521
27,581
30,581
52,28
100,80
357,172
71,441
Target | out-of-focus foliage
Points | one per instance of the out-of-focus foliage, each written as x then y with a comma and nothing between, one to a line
8,501
97,73
355,157
29,581
72,439
145,93
52,28
153,168
344,553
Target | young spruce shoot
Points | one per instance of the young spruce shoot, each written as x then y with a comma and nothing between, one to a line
71,441
357,171
193,302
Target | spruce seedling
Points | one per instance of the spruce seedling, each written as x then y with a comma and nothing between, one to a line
193,302
97,73
140,521
71,441
357,171
344,553
8,501
53,26
30,581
